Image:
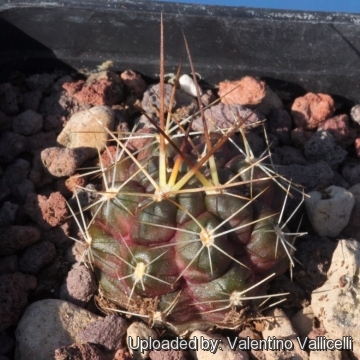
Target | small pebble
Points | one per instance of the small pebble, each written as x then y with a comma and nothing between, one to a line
350,171
79,352
36,256
47,212
339,127
11,145
355,114
22,190
80,286
313,176
279,123
8,99
223,116
15,238
134,82
247,91
103,88
40,82
107,332
59,318
312,109
322,147
64,161
139,329
329,211
88,128
41,140
14,290
8,213
31,100
187,84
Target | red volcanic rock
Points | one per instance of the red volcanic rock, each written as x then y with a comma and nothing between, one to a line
103,88
310,110
247,91
134,82
339,127
47,212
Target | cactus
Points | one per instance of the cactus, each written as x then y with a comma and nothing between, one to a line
188,230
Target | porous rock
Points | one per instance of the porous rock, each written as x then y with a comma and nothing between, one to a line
64,161
103,88
350,170
336,303
15,238
107,332
310,110
40,82
316,252
247,91
339,127
322,147
80,286
14,290
8,213
11,145
27,123
329,212
31,100
8,99
59,321
36,256
79,352
88,128
22,189
279,123
312,176
223,116
168,355
47,212
300,136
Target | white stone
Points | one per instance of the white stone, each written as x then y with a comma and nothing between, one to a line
281,328
88,128
47,325
187,84
141,330
220,352
329,212
337,303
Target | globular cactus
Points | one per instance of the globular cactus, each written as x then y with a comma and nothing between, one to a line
189,229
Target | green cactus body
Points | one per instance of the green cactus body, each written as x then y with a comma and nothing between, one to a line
191,224
199,252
